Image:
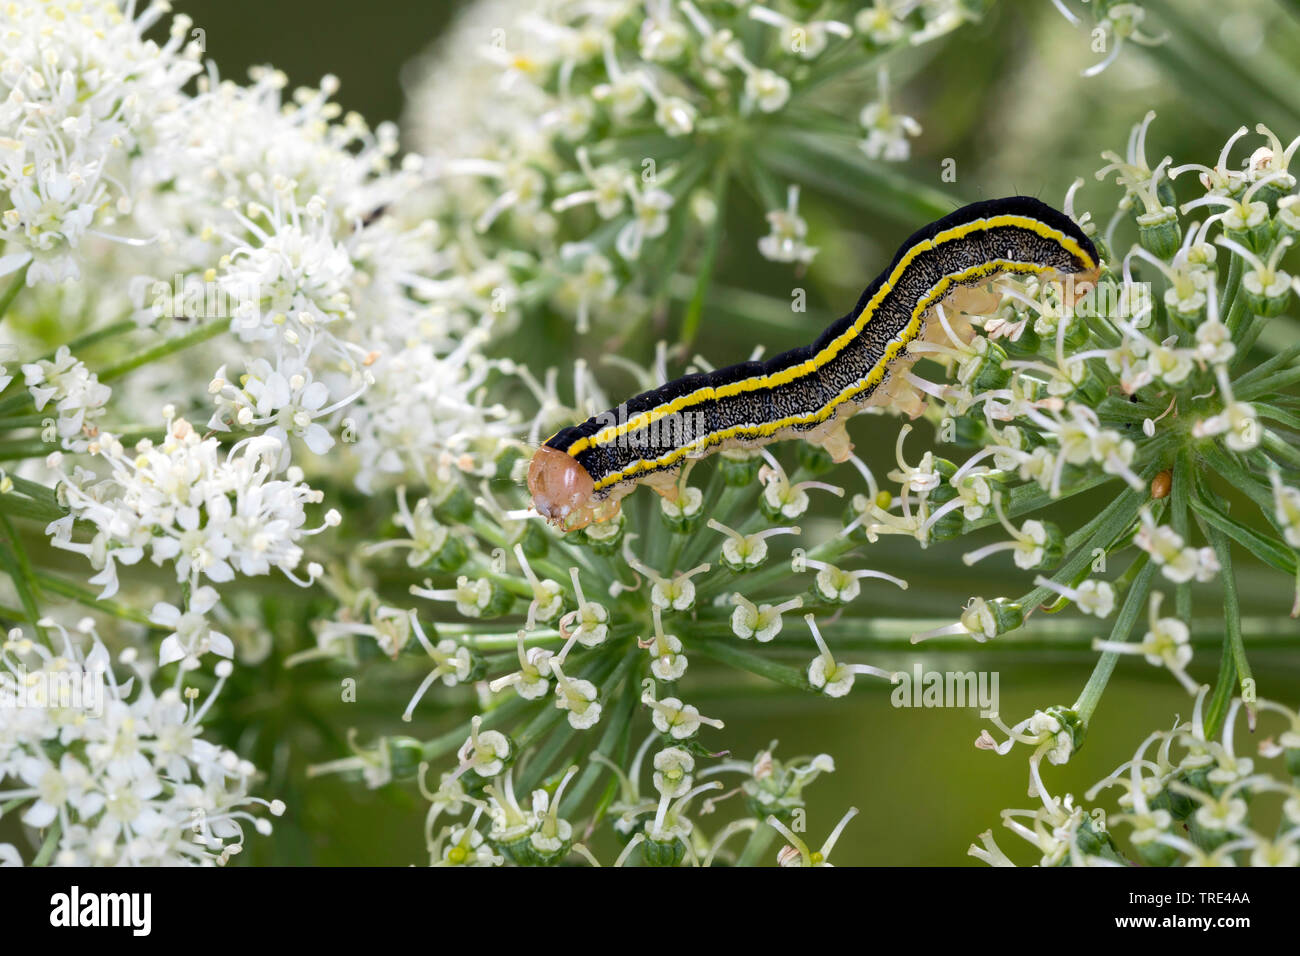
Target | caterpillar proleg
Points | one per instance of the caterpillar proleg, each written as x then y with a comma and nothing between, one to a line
583,471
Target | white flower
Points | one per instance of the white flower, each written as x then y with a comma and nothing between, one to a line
188,506
831,677
81,90
1286,505
192,636
75,391
577,697
888,132
785,243
673,769
135,783
649,220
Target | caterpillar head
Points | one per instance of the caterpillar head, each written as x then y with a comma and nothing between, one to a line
561,488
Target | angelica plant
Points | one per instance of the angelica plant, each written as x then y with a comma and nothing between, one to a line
272,387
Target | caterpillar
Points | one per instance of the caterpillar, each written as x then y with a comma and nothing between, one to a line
582,472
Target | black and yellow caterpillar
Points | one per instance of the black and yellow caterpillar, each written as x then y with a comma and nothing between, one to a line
583,471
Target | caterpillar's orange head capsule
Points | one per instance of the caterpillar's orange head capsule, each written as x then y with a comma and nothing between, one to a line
561,488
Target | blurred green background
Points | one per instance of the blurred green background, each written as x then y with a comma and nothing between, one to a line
1003,98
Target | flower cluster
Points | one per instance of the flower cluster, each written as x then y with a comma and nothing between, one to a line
111,771
1187,798
1115,23
184,503
594,164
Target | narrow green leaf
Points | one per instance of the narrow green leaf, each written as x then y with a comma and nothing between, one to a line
15,286
16,564
752,662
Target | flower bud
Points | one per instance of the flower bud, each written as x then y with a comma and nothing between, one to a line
985,370
814,459
456,506
663,852
1160,233
1254,230
1094,842
681,516
1090,391
1271,193
740,468
535,541
1071,723
950,525
1288,217
451,555
499,601
604,537
1025,344
986,619
404,756
1269,302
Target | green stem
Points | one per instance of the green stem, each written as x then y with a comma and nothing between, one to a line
1269,550
1223,690
23,421
728,653
1179,501
1231,285
1227,465
1234,668
1272,382
616,731
88,598
202,334
1134,602
20,507
1250,334
1280,449
11,293
756,845
695,308
1267,367
19,567
50,844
